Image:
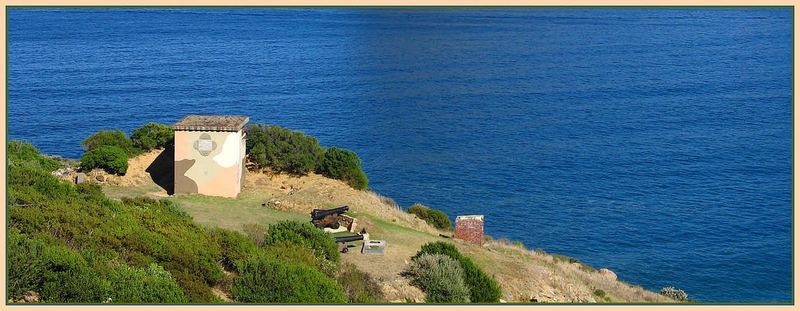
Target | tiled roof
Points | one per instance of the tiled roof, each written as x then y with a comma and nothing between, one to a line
211,123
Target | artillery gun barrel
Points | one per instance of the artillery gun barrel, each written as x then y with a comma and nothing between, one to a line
349,238
321,213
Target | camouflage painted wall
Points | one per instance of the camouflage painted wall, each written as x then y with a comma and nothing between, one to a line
209,163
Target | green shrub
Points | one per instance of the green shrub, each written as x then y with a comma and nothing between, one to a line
283,150
440,277
599,293
20,152
482,287
359,286
68,278
150,285
152,135
434,217
293,253
235,247
112,159
25,265
264,279
90,190
343,165
114,138
48,220
304,234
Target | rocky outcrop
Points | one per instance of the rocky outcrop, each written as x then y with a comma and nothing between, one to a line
608,274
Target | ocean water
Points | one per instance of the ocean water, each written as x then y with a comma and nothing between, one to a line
655,142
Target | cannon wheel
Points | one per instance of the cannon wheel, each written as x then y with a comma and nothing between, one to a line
335,225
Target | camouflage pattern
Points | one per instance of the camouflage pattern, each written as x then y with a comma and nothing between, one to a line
209,162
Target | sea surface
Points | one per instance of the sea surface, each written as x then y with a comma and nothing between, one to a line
654,141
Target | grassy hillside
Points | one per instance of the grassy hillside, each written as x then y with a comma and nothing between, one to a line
92,243
523,275
70,243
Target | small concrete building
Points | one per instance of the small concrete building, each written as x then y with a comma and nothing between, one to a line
210,155
470,228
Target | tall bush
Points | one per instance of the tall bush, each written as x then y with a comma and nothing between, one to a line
440,277
152,135
343,165
108,138
112,159
282,150
263,279
434,217
482,287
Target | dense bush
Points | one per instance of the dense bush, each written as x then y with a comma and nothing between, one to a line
234,246
304,234
58,219
674,293
152,135
114,138
25,267
360,287
440,277
482,287
56,272
20,152
150,285
293,253
434,217
111,159
343,165
264,279
283,150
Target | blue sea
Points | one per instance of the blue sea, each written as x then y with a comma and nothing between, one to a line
652,141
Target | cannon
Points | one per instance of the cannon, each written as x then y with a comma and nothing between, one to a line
342,241
321,213
331,218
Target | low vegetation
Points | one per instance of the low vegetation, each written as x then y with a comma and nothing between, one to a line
110,149
303,234
111,159
70,243
267,279
283,150
434,217
360,287
482,288
440,277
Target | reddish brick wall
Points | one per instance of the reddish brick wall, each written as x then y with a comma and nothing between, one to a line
470,229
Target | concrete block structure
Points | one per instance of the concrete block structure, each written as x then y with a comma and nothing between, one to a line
470,228
210,155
